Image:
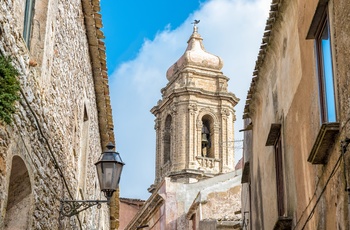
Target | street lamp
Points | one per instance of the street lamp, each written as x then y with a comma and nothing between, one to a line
109,169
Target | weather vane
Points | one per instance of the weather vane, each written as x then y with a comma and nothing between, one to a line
196,22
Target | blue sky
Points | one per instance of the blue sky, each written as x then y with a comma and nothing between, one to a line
143,39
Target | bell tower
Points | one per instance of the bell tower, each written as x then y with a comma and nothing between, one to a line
195,118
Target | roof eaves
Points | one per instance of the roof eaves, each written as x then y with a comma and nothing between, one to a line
270,22
97,49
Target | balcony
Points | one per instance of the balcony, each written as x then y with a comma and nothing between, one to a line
207,162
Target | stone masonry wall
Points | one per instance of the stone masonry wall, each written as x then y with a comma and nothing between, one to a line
49,128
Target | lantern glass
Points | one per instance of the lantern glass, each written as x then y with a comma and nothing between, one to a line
109,169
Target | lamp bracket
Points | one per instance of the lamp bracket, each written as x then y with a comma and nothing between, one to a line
73,207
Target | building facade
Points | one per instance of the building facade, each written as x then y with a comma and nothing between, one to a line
63,116
296,158
127,210
196,185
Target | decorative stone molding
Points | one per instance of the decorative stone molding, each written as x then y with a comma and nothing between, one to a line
207,111
164,170
216,128
234,118
225,113
206,162
157,123
199,125
223,86
173,109
192,108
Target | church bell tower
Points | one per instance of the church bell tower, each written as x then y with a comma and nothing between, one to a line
195,118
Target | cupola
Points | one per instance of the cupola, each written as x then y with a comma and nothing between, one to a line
195,56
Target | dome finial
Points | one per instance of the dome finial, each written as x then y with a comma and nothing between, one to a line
195,28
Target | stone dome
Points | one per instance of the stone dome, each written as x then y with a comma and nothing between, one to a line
196,56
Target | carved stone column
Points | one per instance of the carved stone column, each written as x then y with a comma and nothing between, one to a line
192,109
225,140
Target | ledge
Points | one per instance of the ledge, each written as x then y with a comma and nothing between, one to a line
324,141
283,223
321,7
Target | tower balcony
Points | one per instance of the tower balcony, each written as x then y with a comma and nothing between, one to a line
208,164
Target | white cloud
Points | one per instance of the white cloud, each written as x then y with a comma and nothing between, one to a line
231,29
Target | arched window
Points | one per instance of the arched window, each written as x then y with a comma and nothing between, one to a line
167,139
206,135
19,196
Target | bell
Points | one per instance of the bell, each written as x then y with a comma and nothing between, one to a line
204,139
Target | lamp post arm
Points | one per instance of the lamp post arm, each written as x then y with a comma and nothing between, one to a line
73,207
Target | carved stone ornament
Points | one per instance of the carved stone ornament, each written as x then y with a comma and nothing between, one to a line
199,124
225,112
190,81
192,107
224,87
216,127
156,123
173,109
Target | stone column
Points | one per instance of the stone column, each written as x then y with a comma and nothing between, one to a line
192,108
157,127
225,139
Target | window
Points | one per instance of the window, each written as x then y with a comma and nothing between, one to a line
27,24
279,176
320,31
167,139
274,139
325,71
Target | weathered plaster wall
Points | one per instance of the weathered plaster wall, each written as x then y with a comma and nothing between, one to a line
178,202
128,209
278,81
49,125
222,205
287,93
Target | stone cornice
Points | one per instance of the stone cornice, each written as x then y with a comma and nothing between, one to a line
190,91
198,72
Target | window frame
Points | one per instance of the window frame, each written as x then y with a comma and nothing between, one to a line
27,22
279,175
325,75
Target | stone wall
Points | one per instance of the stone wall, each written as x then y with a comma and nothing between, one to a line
56,127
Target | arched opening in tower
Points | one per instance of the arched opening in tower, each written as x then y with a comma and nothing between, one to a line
207,137
167,139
